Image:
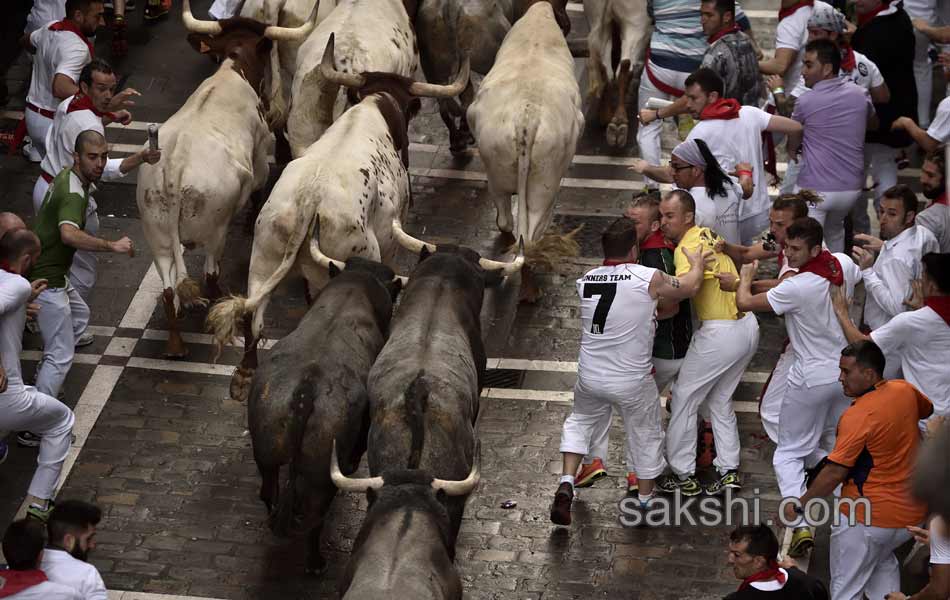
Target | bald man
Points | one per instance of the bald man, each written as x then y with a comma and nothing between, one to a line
9,222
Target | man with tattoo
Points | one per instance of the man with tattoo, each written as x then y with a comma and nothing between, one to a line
618,316
717,356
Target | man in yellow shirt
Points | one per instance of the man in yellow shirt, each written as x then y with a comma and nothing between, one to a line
717,357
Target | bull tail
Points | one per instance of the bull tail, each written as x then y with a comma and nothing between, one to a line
224,318
526,136
417,401
289,504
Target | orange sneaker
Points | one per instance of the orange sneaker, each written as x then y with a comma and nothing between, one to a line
706,447
590,473
633,485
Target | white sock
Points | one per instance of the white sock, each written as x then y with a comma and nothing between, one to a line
40,504
566,478
644,500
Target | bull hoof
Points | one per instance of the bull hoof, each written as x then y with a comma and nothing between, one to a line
241,383
621,135
613,135
175,348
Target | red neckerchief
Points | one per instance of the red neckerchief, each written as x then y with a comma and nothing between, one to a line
716,36
768,574
724,108
13,582
67,25
942,199
791,10
940,305
656,241
866,17
847,58
824,265
83,102
613,263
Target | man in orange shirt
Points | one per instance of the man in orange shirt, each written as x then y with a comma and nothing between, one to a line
874,458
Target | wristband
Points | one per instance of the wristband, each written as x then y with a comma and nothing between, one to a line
778,90
742,172
656,113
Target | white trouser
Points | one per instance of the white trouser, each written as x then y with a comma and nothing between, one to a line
62,318
806,424
224,9
82,273
831,212
37,127
751,226
862,560
882,161
790,181
718,355
23,408
924,77
636,401
665,371
770,407
648,136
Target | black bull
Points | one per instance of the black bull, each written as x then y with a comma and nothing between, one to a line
310,389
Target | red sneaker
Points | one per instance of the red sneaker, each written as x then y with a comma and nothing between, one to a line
633,485
590,473
706,446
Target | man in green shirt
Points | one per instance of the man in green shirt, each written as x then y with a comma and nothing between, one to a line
59,225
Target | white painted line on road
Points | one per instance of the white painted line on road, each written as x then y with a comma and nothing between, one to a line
101,330
143,303
120,346
79,359
157,364
201,338
565,366
114,595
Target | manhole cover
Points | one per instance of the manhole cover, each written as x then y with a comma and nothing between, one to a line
504,378
589,237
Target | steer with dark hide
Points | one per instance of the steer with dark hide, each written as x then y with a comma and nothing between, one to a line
424,387
310,389
404,547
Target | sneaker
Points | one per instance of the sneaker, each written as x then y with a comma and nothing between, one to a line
590,473
85,340
671,484
802,542
730,480
705,446
40,514
633,485
561,507
27,439
4,451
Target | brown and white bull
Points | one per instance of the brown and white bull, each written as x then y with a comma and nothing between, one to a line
617,42
371,36
527,119
214,155
344,192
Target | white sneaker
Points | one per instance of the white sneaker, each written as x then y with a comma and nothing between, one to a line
85,339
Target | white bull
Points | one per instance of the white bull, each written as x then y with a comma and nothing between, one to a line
339,198
617,42
371,36
283,56
527,118
214,156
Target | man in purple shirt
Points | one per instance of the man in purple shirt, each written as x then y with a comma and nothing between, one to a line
834,113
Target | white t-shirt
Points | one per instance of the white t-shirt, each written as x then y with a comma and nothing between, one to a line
921,340
14,293
939,542
43,12
936,219
57,52
740,140
813,329
45,591
940,127
921,9
61,140
865,74
63,568
888,281
721,214
792,33
618,320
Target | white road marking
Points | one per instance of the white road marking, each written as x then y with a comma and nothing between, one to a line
79,359
143,303
114,595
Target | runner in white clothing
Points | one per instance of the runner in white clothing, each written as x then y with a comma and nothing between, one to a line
618,310
22,408
62,49
23,550
72,535
813,401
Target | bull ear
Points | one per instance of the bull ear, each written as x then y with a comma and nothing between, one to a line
334,270
264,46
370,495
415,105
201,42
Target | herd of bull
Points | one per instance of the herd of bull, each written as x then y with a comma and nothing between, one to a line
330,84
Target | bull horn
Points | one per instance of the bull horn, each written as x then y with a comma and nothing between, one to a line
464,487
433,90
347,484
196,25
318,256
509,268
330,73
407,241
293,34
